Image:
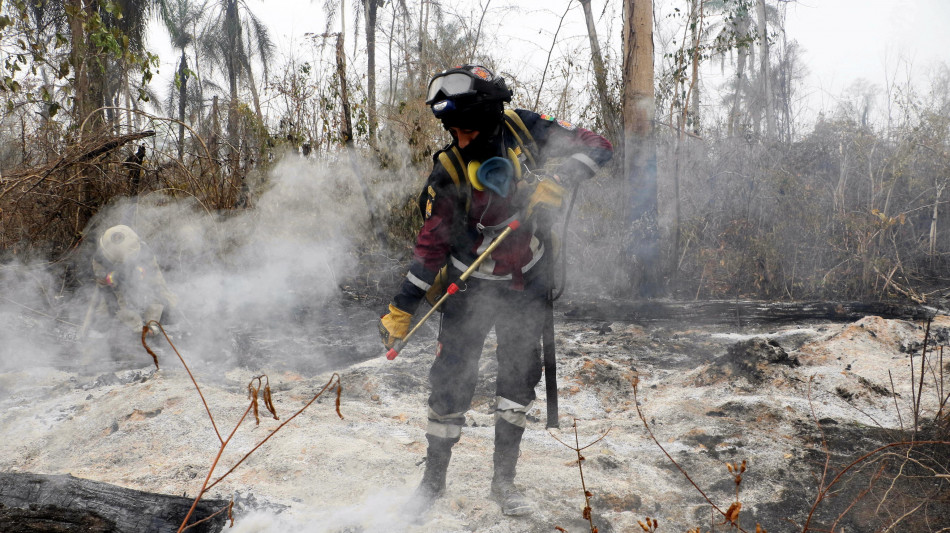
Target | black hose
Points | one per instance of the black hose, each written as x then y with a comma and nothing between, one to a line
567,218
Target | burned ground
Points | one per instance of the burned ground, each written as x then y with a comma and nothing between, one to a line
712,394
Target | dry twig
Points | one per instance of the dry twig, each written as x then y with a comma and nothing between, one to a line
580,460
255,387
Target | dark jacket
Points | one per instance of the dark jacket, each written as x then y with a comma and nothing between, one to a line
460,222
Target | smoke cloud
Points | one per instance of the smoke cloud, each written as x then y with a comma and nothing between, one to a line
276,267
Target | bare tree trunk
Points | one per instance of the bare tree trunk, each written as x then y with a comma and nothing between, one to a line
933,223
252,85
389,52
76,15
740,28
233,64
697,15
640,254
132,119
88,95
371,6
214,146
600,76
841,188
182,98
764,74
732,127
347,132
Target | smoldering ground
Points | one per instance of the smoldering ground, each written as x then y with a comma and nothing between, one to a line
278,267
261,292
322,473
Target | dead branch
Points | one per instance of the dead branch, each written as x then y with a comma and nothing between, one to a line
182,359
636,403
259,392
84,152
580,460
825,490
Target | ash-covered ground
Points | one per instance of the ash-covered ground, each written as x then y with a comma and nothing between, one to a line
712,395
267,291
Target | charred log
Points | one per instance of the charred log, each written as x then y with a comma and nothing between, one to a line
35,502
744,312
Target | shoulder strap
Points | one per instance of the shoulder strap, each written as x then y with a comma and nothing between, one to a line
451,161
525,139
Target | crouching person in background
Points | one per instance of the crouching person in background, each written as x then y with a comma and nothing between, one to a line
130,289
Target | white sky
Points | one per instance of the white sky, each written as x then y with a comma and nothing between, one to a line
873,39
881,41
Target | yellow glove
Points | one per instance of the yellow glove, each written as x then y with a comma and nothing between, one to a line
394,326
548,194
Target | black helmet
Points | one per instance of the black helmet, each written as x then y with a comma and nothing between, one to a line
469,97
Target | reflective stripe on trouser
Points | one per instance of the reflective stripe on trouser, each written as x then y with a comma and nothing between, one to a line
511,412
445,426
468,317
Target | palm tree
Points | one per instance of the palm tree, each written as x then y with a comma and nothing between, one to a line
371,7
181,18
739,32
231,40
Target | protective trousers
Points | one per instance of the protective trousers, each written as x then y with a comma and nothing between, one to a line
468,316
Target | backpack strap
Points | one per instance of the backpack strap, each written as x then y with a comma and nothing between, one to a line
454,165
525,139
451,161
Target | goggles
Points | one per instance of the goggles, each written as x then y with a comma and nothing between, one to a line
451,85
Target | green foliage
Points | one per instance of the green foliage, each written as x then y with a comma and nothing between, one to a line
36,52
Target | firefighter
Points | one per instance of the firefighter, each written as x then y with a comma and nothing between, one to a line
130,286
489,175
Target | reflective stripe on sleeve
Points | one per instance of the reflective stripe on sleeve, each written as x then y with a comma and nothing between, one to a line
586,159
417,282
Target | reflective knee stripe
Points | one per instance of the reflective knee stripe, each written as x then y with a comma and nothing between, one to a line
511,412
445,431
445,426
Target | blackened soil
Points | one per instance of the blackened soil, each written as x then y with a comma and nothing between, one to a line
53,519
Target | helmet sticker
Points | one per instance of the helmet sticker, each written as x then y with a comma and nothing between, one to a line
481,73
547,117
439,106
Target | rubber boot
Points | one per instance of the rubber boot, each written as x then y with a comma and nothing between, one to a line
503,490
432,485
